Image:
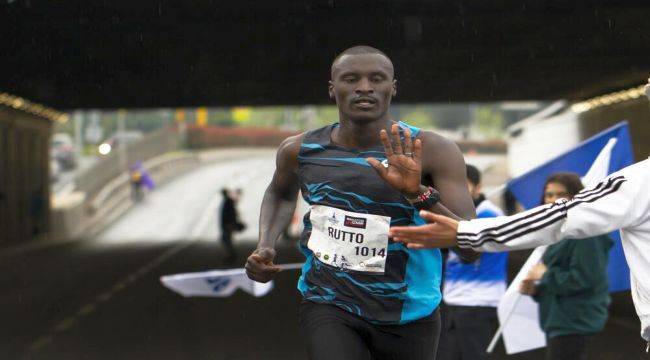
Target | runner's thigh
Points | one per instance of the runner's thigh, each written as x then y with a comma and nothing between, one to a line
413,341
330,333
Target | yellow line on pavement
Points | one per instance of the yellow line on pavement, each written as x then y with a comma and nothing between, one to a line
105,297
119,287
87,309
65,324
40,342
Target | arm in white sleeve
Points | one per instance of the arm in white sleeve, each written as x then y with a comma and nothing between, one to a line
617,202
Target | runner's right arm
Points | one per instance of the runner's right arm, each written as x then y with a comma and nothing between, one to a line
277,210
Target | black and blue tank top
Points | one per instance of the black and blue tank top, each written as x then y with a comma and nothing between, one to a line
339,177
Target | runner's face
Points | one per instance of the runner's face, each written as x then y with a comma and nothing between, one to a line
362,86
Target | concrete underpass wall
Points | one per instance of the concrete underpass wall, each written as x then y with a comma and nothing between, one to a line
534,141
24,176
635,111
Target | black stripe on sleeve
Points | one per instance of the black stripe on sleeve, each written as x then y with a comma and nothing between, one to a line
491,234
607,184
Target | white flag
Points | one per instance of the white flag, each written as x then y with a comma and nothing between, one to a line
519,314
218,283
600,168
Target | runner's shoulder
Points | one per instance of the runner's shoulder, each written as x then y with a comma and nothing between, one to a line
289,149
435,143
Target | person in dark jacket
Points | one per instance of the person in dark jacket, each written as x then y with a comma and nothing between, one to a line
229,221
570,283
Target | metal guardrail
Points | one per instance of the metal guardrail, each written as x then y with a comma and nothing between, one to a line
160,168
87,216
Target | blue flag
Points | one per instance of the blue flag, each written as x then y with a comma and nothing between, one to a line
528,188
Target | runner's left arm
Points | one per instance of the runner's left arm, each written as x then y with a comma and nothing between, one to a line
445,168
619,202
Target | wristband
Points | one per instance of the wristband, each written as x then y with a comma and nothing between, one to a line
426,200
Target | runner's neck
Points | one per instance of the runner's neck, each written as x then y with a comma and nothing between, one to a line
360,135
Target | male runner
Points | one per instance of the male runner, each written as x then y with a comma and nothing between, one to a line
363,295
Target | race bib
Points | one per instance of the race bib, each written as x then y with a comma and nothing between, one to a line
349,240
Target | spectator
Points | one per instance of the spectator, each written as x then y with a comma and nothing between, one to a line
229,221
570,283
136,184
140,179
471,292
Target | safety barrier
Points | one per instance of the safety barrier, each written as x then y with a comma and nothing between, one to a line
95,177
78,215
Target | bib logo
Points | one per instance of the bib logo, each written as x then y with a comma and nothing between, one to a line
333,219
355,222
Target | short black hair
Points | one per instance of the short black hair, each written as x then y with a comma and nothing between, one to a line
473,174
360,50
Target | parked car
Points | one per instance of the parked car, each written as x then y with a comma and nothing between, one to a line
63,151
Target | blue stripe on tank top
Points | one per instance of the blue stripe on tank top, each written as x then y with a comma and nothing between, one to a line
423,274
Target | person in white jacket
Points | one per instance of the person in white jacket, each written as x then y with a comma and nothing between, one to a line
621,201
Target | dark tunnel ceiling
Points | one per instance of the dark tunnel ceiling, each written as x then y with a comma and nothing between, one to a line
185,53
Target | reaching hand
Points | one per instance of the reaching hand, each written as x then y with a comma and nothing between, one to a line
440,232
260,267
528,287
537,271
647,89
404,169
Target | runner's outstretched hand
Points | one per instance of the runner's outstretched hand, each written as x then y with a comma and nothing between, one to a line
403,170
439,232
260,267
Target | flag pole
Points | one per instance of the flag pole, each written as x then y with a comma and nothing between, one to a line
497,335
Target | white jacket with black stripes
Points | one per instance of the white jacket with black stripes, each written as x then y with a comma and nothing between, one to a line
622,201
